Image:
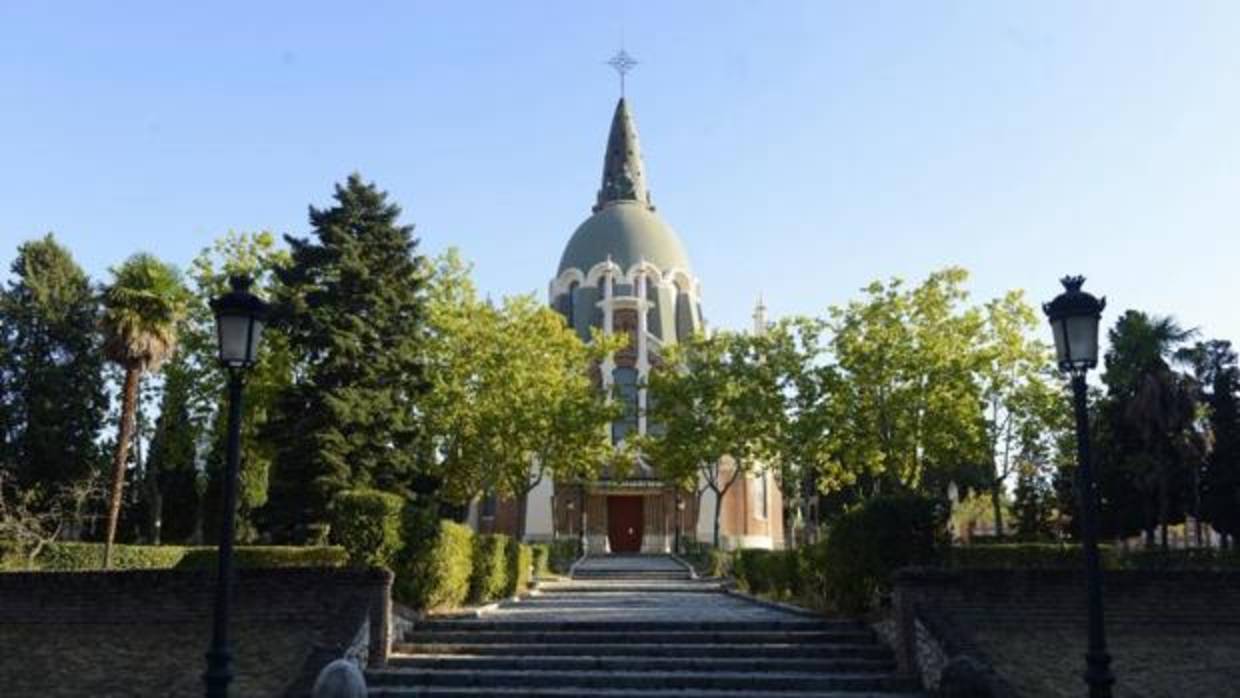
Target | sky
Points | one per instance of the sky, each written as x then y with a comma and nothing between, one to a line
800,149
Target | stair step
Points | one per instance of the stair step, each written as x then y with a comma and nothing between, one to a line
618,627
541,692
868,650
643,637
854,665
731,681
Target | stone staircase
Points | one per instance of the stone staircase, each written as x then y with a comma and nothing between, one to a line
618,635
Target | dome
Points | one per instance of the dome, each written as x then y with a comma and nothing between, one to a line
627,232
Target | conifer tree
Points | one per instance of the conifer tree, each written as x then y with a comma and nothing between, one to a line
170,474
51,375
351,306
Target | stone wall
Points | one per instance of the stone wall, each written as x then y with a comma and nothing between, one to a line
144,632
936,614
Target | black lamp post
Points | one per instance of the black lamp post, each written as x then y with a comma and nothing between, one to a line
680,517
239,319
1074,316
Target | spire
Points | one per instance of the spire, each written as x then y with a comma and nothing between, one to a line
624,175
759,317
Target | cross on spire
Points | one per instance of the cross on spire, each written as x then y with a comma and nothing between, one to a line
622,63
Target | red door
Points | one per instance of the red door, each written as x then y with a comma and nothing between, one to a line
624,524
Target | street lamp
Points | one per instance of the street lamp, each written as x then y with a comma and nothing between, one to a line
680,517
239,320
1074,316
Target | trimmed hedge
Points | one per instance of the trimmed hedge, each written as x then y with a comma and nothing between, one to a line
1069,556
564,553
73,557
541,553
437,573
489,580
520,565
367,524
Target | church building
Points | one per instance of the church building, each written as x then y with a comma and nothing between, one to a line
625,270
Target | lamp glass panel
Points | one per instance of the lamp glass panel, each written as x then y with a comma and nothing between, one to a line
233,331
1082,333
1061,347
256,338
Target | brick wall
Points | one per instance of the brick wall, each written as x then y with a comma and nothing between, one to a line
156,623
938,613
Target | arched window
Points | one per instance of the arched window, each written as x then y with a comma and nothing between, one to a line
626,392
571,311
654,323
760,495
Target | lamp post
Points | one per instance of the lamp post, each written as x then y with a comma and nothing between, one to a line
680,517
1074,316
239,320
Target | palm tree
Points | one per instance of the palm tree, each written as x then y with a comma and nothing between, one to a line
141,311
1157,404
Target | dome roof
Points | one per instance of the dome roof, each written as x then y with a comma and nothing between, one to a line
627,232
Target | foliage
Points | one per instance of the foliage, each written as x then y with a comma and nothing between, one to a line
256,256
72,556
438,572
511,400
52,399
171,479
1027,556
35,517
520,565
142,309
866,545
1033,503
906,410
706,559
351,305
1215,369
367,524
563,553
541,559
719,408
489,579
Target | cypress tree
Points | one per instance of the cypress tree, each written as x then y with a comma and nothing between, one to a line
171,475
351,306
52,372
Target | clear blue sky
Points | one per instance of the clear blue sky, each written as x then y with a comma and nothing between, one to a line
801,149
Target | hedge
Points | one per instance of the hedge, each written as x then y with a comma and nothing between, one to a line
1069,556
436,573
489,580
367,524
541,553
71,557
520,565
564,553
706,559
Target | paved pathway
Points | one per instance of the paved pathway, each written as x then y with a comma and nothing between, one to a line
640,627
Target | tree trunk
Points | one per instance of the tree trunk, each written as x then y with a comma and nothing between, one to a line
996,501
129,401
718,511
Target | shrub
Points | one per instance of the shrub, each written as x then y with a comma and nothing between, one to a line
367,523
434,572
869,543
706,559
489,580
520,564
73,557
541,553
564,553
1027,556
769,572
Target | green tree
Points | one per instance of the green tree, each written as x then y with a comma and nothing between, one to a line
142,309
1214,365
351,305
1149,414
256,256
170,477
511,400
1022,404
51,369
719,408
1033,502
908,405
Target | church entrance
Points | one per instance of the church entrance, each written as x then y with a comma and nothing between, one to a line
624,524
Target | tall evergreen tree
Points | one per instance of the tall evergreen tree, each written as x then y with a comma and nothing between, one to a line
52,369
1215,366
170,472
351,306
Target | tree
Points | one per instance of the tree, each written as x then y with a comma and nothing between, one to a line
170,477
1149,413
51,369
908,407
719,409
1017,388
511,400
256,256
1032,502
351,305
1218,498
31,518
141,311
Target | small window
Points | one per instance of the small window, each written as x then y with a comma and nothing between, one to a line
760,496
489,504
